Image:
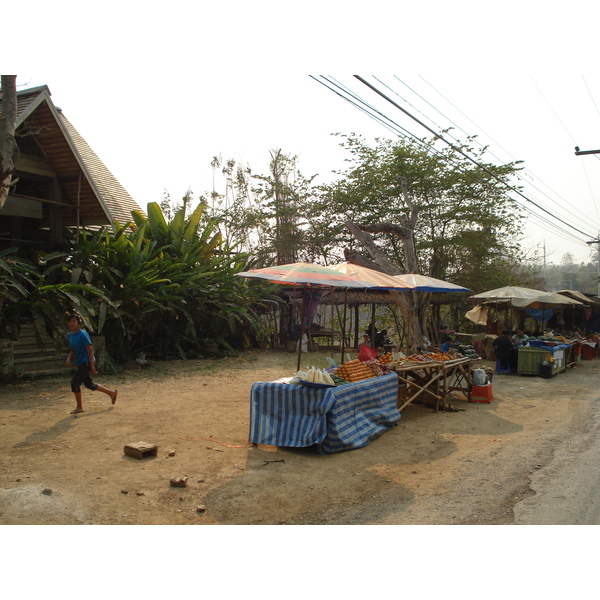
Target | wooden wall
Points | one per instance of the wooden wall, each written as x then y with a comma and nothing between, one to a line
24,358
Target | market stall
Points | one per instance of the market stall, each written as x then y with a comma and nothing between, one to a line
333,419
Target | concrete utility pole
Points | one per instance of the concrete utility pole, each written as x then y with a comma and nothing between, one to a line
597,242
579,152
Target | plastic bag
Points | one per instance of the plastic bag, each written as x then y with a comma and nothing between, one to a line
479,377
366,353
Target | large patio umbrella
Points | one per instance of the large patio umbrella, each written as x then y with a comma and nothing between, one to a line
305,275
509,292
521,297
422,283
375,278
545,299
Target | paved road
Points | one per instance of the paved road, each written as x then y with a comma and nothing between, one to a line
568,488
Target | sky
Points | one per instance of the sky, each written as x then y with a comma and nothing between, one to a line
157,94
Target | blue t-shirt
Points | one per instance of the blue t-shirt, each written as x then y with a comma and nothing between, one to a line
445,347
79,342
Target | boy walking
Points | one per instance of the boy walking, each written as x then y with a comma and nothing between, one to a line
80,346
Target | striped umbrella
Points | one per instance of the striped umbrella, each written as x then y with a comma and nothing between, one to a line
376,279
307,274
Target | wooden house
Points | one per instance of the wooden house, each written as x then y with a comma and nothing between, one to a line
61,181
61,184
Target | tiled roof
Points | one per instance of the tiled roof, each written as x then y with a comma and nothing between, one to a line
100,196
118,202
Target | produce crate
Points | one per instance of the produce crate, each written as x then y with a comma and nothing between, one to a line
546,371
530,360
588,352
482,393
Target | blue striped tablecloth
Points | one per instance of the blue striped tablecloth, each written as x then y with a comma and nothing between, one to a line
335,419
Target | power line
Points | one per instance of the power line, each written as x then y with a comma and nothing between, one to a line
397,129
456,149
525,170
592,97
407,134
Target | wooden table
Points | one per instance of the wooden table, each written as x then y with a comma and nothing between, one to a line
317,333
420,379
457,376
434,380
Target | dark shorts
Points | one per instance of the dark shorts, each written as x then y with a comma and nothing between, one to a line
82,375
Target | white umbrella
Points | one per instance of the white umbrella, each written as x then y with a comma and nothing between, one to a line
422,283
508,292
545,299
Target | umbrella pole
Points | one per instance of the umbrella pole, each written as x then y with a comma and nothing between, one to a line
332,320
302,326
372,332
410,305
343,328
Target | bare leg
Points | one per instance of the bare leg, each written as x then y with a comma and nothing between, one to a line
111,393
79,404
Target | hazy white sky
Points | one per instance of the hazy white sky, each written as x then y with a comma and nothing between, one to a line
158,92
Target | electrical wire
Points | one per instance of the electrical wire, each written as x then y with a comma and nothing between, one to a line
584,218
379,117
460,151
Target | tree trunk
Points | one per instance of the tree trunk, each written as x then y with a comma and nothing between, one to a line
9,151
404,300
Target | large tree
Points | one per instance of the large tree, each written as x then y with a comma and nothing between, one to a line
9,151
415,207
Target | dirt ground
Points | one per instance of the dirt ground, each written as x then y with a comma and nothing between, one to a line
471,466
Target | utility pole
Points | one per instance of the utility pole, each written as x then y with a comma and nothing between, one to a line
579,152
597,242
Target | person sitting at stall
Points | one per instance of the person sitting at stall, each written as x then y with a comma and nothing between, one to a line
520,337
503,347
447,344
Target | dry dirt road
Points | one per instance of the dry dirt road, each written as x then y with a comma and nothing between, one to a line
495,463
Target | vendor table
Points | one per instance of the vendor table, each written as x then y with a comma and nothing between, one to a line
435,380
420,379
334,419
457,376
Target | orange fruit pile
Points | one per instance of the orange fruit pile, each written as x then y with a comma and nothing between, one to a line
354,370
385,358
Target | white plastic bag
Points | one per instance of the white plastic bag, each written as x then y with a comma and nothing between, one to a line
479,377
